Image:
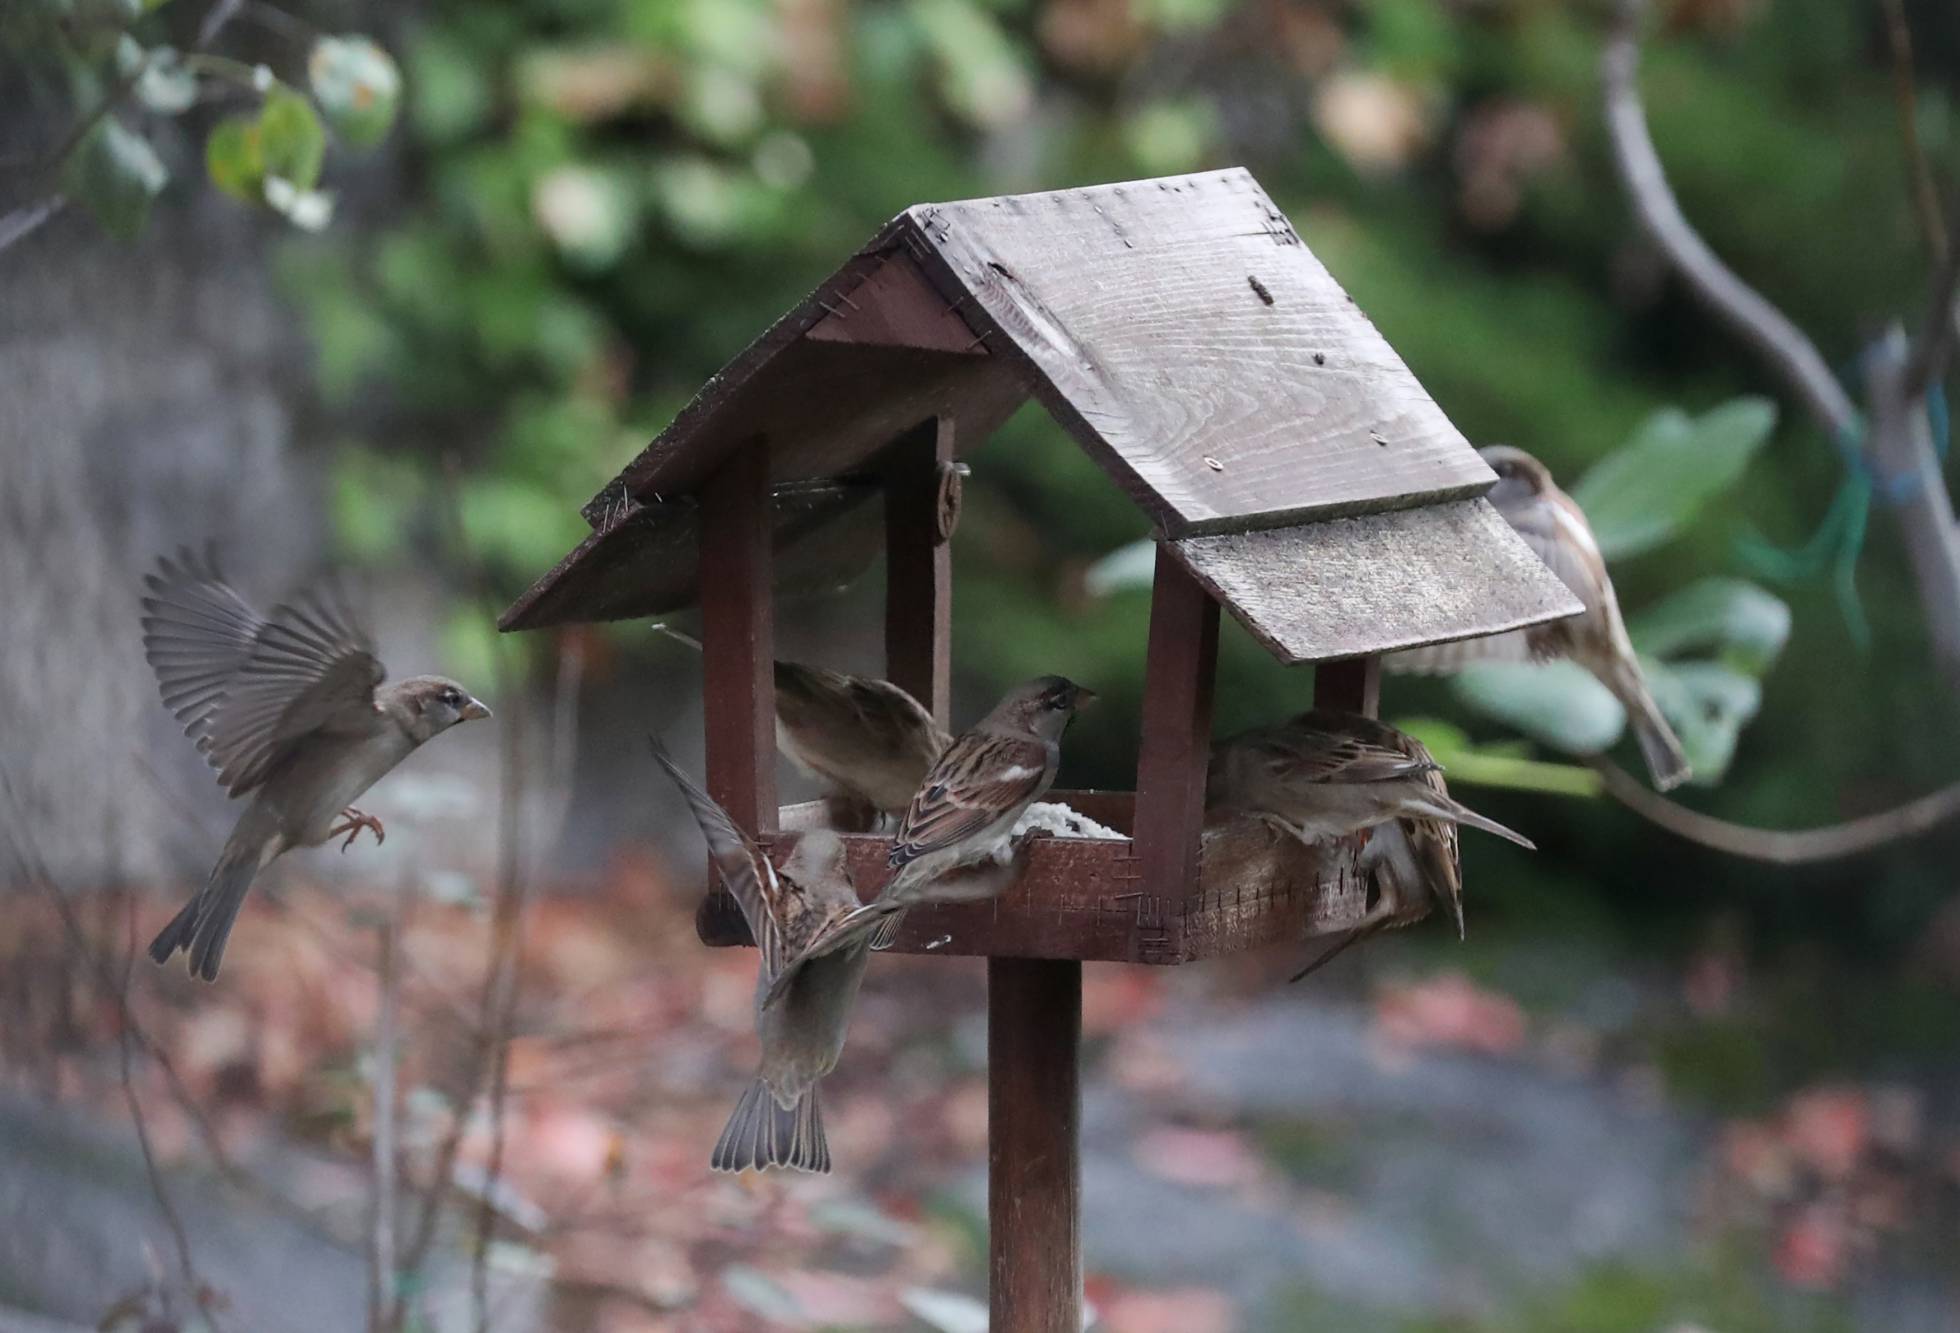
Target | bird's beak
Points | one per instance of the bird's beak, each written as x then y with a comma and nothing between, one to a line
1083,698
473,710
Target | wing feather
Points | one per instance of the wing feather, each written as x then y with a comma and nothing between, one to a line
981,778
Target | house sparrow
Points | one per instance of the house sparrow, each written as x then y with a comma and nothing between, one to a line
288,708
867,738
963,813
1555,528
778,1121
1327,774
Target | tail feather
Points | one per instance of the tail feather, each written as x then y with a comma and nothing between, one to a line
762,1133
1447,807
204,925
1660,748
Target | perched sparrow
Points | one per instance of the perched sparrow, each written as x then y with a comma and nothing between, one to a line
1328,774
964,812
287,708
866,737
1555,528
778,1121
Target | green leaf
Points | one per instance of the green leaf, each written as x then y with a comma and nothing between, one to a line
1708,705
358,87
115,174
1739,623
1497,765
1643,493
1556,703
292,144
163,85
1125,569
233,161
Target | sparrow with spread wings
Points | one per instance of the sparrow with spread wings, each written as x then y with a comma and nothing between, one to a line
290,710
1555,528
963,813
778,1121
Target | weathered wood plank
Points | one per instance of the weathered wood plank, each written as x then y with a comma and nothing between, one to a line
738,656
1172,755
1187,338
1352,685
1348,587
919,567
895,307
1034,1149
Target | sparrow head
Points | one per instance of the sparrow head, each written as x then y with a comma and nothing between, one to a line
1045,704
1520,477
431,705
817,858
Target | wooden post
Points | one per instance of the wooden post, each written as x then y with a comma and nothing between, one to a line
1175,751
1034,1162
738,661
919,566
1354,686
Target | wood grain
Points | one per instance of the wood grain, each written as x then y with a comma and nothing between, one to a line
919,567
1189,340
1034,1164
1172,754
1353,685
1348,587
738,657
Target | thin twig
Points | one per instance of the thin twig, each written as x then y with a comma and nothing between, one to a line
1933,348
18,224
1780,846
381,1248
1778,340
1925,197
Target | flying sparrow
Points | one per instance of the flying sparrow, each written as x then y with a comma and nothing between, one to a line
963,813
1555,528
288,709
867,738
778,1121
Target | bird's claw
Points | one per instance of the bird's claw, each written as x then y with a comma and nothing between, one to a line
354,822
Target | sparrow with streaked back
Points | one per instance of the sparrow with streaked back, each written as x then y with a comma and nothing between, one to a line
778,1121
868,739
963,812
1328,774
1555,528
289,709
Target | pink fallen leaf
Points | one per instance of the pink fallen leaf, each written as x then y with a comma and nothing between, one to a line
1829,1129
1813,1248
1202,1157
1451,1010
1176,1310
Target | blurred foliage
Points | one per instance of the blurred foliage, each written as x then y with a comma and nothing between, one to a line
111,67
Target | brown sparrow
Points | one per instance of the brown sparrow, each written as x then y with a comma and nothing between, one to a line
1555,528
778,1121
289,709
867,738
964,812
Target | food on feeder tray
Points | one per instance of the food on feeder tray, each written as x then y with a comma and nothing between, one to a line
1325,775
778,1121
964,812
866,737
1555,528
1055,818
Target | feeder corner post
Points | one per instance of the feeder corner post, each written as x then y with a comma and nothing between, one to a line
919,564
1353,685
738,659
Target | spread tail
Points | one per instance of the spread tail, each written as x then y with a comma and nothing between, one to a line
204,925
762,1133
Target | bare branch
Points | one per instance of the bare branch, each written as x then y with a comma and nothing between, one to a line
1776,339
1778,846
1926,198
1933,348
20,223
1906,467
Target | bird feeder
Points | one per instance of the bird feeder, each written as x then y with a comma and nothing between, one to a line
1295,472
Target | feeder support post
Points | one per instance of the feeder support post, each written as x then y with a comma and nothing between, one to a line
738,661
1174,751
919,563
1353,685
1034,1146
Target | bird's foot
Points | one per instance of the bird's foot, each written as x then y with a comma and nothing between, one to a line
353,821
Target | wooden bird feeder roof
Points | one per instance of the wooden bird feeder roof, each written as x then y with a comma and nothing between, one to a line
1183,334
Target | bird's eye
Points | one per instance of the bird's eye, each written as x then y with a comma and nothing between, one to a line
452,698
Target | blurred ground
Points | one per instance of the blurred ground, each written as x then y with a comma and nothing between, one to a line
1393,1146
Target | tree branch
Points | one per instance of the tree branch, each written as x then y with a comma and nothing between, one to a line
1776,339
1926,198
1906,467
1778,846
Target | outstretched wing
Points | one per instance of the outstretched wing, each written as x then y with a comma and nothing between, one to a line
745,872
979,780
247,687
